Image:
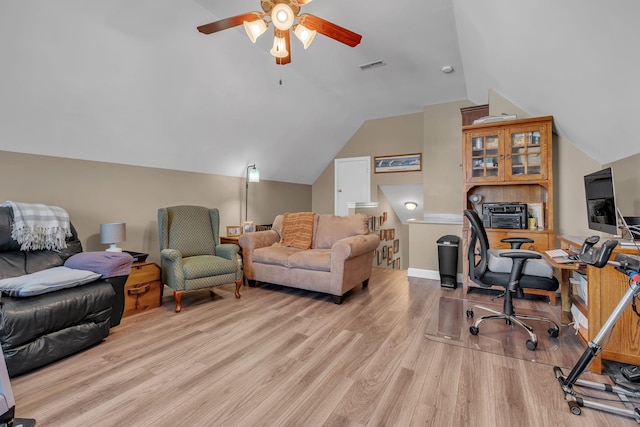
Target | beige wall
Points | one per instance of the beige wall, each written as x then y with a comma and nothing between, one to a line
439,139
443,187
381,137
436,133
96,192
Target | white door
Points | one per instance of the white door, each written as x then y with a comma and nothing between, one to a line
352,182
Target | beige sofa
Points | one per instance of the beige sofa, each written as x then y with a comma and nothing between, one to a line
339,258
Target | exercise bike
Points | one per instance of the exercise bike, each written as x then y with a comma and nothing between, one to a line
629,265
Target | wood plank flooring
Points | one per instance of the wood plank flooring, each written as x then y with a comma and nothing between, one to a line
284,357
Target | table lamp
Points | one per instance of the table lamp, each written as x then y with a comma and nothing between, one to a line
112,233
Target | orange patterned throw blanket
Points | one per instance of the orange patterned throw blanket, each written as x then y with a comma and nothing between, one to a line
297,230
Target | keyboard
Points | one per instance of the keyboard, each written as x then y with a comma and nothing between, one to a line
557,253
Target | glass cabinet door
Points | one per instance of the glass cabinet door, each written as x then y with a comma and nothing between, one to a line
485,156
525,151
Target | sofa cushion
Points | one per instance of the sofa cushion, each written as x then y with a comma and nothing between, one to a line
199,266
297,230
332,228
275,255
312,259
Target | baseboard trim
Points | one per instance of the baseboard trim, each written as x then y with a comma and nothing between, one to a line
428,274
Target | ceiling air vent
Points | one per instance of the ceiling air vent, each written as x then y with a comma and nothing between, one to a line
371,65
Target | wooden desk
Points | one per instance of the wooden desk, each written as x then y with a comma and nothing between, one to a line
606,287
229,239
565,286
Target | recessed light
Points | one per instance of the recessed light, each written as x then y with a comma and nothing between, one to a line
447,69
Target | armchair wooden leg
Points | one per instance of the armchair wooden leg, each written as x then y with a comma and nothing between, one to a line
365,283
238,284
337,299
177,295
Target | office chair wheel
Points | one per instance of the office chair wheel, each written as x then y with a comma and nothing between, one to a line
553,332
474,330
531,345
574,407
470,313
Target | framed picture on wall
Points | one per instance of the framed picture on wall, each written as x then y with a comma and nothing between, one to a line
389,254
396,263
379,255
398,163
396,246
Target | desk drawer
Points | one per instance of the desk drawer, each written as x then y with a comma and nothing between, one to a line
540,240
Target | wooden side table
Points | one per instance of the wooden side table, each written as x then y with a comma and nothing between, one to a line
229,239
234,241
143,288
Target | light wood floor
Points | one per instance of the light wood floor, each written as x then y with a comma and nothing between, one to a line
282,357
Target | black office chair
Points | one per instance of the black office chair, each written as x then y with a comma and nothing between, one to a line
513,269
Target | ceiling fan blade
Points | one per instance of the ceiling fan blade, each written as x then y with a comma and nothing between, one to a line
330,29
231,22
286,35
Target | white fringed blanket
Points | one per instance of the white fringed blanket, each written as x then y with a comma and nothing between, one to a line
37,226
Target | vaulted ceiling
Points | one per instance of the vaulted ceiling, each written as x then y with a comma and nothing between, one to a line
134,82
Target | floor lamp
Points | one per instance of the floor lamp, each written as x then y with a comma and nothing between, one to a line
253,175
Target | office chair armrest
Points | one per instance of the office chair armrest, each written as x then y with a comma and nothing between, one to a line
522,254
516,242
519,259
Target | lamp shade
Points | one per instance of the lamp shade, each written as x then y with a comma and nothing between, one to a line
112,233
304,34
254,175
279,49
255,29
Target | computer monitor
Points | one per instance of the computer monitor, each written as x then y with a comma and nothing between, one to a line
601,201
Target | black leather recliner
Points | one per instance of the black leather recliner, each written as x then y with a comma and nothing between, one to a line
67,320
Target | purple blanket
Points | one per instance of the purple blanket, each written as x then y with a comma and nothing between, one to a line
108,264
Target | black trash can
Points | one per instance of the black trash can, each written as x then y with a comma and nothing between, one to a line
448,260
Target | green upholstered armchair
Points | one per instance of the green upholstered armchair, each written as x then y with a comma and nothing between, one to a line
190,254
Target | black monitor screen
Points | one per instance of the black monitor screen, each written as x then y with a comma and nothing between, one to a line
601,201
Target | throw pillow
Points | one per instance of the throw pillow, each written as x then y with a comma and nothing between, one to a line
297,230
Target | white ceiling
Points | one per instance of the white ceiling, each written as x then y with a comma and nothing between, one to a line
134,82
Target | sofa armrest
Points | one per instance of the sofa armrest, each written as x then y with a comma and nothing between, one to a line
227,251
171,265
258,239
249,242
354,246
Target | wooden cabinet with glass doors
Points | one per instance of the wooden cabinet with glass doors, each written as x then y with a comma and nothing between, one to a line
510,162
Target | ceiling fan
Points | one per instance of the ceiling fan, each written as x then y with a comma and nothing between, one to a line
283,14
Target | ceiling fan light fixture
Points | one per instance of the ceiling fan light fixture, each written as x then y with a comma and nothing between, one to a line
304,34
282,16
279,49
255,29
